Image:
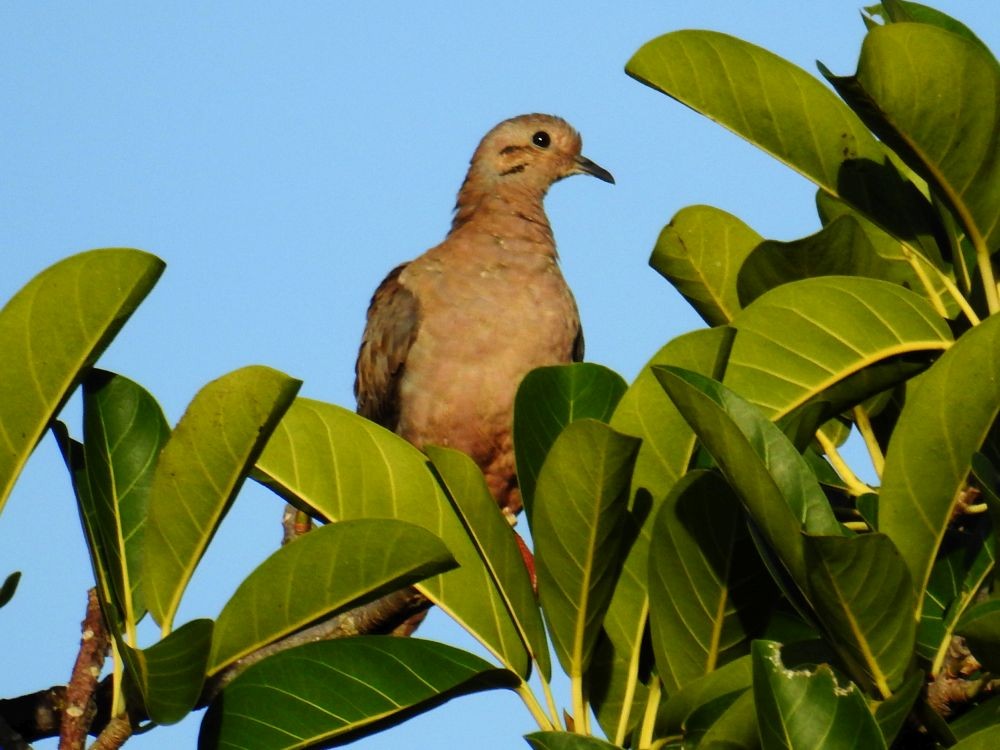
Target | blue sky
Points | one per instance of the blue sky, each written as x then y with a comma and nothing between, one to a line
281,159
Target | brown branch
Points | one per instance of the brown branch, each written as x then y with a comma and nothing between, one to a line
114,735
79,707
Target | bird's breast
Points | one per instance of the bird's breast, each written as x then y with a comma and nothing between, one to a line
484,324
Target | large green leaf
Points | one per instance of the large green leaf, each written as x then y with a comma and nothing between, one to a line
903,11
707,587
566,741
966,558
808,709
578,526
772,479
898,261
862,591
944,422
497,544
331,569
73,455
200,470
976,719
980,627
310,695
730,679
170,673
700,252
548,399
124,430
734,729
985,739
666,451
54,327
838,338
934,96
841,248
342,466
758,95
891,714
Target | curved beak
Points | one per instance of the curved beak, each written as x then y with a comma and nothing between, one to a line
586,165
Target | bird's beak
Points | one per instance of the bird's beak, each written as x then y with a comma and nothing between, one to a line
584,164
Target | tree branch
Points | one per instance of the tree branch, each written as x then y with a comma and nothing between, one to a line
79,707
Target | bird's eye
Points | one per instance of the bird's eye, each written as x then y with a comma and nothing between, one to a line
541,139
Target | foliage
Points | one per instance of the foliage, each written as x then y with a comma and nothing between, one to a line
711,569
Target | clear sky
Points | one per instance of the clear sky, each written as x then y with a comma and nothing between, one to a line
281,158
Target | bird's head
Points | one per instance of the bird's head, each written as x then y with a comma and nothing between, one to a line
532,151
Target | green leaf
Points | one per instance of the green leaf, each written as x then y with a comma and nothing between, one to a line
124,431
170,674
839,339
707,588
980,627
891,714
200,470
497,544
329,570
73,455
566,741
9,587
808,709
772,479
700,252
732,678
978,718
985,739
667,447
578,526
902,11
315,693
944,422
861,589
735,729
921,269
966,558
51,330
341,466
761,97
934,97
841,248
548,399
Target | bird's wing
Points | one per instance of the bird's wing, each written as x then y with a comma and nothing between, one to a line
578,347
393,317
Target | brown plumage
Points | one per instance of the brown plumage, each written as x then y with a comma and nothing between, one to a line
450,334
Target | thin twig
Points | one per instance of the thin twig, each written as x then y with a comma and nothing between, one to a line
79,710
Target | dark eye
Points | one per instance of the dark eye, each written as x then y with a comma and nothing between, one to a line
541,139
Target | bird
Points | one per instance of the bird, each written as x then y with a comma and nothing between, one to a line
450,334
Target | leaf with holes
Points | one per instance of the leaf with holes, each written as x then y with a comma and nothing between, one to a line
808,709
53,328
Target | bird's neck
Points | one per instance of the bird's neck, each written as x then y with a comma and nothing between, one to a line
510,212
